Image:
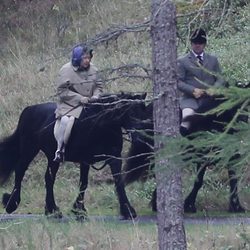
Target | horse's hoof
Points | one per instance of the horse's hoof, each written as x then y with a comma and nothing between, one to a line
127,212
191,209
236,209
80,215
130,216
9,204
81,218
5,199
153,206
153,202
56,215
53,213
124,217
154,209
79,211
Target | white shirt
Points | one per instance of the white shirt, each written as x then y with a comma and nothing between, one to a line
201,55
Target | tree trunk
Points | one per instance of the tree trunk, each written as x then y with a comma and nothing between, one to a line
171,231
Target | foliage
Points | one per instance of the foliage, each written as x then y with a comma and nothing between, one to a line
41,233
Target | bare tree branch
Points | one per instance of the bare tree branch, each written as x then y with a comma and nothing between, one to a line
114,32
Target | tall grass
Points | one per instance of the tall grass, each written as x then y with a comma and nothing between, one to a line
46,234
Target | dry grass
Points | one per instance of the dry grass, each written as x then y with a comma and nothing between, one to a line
71,235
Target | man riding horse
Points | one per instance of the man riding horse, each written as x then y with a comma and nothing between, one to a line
78,82
197,71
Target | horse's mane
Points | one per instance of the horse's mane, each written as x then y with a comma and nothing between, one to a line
110,106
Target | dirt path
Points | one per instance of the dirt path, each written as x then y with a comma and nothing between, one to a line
139,219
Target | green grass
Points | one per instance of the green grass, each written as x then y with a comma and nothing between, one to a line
100,198
217,237
50,234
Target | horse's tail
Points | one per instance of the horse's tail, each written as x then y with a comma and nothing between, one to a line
10,149
9,155
138,165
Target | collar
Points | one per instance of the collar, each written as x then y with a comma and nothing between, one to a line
202,54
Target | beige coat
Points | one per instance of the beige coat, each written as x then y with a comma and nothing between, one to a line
72,85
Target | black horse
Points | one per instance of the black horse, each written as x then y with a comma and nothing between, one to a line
141,160
96,136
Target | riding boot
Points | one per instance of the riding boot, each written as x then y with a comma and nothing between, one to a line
184,131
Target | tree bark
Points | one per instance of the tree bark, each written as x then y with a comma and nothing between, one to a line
171,233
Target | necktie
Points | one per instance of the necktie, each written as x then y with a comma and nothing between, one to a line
200,59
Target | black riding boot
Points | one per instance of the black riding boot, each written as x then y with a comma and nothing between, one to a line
184,131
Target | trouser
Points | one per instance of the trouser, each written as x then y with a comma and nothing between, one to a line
185,125
185,113
62,131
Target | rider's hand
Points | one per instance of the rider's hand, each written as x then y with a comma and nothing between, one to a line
84,100
199,92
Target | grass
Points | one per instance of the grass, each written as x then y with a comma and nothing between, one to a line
100,198
217,237
49,234
88,235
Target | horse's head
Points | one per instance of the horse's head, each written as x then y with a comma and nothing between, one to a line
124,109
213,113
131,108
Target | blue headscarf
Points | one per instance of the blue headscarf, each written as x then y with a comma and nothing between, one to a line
77,54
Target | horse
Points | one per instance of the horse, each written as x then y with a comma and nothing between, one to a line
96,136
141,154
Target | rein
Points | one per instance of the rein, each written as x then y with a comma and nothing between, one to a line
100,168
101,104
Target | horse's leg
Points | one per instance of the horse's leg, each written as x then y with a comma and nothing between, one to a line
50,175
234,203
189,204
11,201
126,210
153,201
78,207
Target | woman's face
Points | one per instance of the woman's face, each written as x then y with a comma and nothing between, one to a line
198,48
86,59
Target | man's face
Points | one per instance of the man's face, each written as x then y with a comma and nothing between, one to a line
198,48
86,59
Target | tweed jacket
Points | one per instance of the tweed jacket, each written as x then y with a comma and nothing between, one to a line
192,75
72,85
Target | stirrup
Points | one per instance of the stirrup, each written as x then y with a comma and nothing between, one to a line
59,156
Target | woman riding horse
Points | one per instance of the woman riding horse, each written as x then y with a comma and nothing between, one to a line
78,83
96,136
